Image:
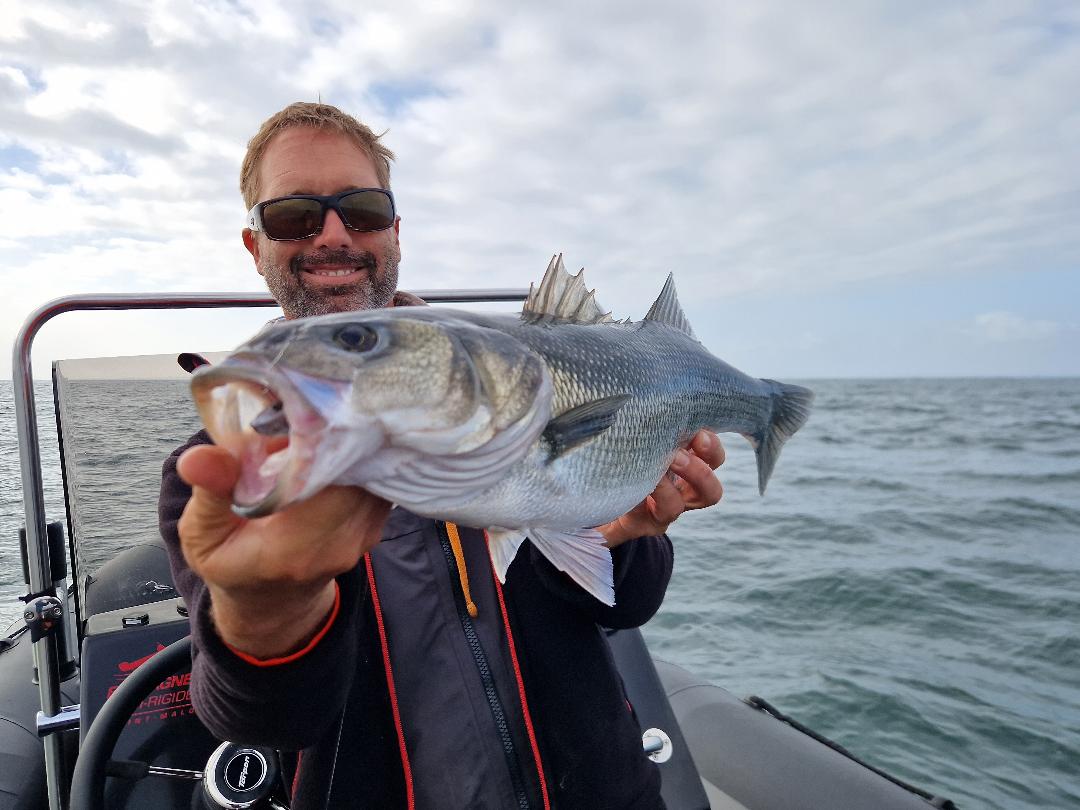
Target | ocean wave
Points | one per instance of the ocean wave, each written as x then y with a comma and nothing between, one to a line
1026,514
1025,478
859,482
1060,651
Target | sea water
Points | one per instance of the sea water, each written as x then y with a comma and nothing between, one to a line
909,586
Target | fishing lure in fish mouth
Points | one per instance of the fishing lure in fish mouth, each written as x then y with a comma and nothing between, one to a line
541,425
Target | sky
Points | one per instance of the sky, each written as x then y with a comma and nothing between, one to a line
871,189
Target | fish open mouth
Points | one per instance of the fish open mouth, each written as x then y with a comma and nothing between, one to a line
257,422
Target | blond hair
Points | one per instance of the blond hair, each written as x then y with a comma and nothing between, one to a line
316,116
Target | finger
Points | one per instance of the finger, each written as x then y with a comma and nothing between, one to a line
212,468
208,519
701,486
666,503
206,523
706,446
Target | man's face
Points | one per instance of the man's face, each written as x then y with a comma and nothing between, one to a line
337,270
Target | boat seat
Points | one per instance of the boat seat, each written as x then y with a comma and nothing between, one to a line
138,575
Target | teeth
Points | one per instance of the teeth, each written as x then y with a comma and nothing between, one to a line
273,464
331,272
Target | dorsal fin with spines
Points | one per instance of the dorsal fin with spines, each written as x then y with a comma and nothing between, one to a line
563,297
666,309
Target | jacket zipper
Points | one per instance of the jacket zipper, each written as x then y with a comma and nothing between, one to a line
486,679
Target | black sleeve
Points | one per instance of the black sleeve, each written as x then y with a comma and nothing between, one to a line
286,706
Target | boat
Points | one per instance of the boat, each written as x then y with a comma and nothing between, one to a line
94,705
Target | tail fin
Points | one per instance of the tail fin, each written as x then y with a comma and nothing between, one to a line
791,408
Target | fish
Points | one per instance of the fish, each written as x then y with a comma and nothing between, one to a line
543,425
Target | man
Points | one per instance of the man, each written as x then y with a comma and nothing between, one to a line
375,643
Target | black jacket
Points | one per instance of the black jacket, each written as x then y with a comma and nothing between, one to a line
464,720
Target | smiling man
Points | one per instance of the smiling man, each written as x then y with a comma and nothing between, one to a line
320,267
375,647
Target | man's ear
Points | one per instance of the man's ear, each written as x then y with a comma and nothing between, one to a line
251,242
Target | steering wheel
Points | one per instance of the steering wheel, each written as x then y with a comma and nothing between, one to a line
222,788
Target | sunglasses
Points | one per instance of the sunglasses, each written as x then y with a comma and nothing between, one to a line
301,216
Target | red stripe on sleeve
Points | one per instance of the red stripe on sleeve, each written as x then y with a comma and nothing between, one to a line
287,659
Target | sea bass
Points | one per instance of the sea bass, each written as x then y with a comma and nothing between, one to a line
542,425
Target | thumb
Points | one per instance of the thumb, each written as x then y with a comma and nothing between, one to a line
210,468
212,473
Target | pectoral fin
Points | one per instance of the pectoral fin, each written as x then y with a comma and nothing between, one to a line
577,425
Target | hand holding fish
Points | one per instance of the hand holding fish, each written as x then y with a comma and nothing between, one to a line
690,484
271,579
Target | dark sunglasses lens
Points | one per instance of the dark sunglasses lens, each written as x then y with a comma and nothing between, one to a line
292,219
367,211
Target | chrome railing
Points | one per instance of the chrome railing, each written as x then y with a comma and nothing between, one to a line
53,716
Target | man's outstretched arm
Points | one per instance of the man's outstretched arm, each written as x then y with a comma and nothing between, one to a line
268,670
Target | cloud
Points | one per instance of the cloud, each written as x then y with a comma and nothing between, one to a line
749,148
1008,327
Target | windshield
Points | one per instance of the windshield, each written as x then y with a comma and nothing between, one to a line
119,419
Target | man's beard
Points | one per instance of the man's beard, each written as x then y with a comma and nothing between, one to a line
298,299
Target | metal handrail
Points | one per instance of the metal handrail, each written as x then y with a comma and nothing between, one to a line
37,547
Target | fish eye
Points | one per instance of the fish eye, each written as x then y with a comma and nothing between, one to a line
356,338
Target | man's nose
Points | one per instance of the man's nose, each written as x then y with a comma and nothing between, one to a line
333,233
